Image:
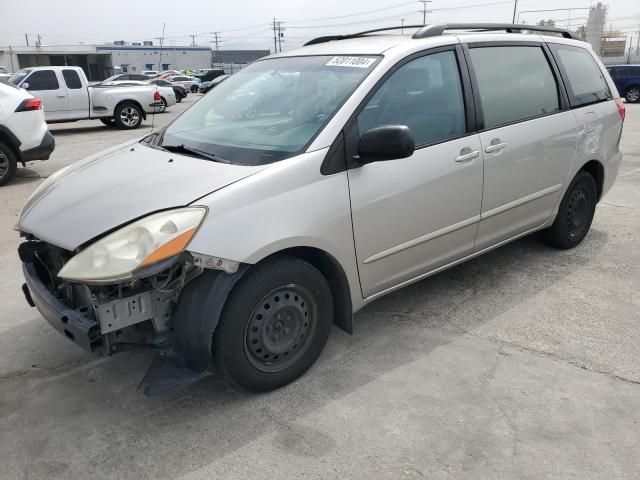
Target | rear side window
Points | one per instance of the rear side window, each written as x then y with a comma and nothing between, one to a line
584,79
424,94
516,83
72,79
43,80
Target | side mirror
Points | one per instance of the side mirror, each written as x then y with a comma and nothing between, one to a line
25,85
388,142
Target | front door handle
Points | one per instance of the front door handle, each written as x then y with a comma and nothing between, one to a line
496,147
466,154
61,96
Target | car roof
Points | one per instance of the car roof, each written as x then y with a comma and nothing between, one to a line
624,65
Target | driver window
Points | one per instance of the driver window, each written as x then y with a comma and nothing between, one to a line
425,94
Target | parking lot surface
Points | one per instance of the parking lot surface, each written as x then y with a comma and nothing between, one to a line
522,363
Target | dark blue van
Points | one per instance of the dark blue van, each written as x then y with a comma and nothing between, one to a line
627,80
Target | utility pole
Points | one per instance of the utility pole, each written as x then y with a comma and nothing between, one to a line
424,10
515,8
193,39
402,29
280,35
26,37
216,41
275,37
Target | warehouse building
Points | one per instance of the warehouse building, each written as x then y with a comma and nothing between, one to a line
102,61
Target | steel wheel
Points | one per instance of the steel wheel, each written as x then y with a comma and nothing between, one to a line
280,327
577,212
129,117
633,95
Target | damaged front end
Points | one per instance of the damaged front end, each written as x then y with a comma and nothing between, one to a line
172,308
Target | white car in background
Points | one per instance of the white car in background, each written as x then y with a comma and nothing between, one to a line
23,131
66,97
150,73
190,83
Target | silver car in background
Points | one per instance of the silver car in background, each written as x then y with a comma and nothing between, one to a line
313,182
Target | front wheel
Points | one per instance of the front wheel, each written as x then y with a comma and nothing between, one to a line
575,213
633,95
194,89
128,116
274,325
8,164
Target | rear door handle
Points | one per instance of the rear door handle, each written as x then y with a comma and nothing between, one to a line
61,96
495,147
465,157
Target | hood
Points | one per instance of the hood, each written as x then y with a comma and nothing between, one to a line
110,189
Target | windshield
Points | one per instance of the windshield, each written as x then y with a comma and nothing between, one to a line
270,110
16,78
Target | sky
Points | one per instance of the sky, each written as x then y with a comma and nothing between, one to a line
247,23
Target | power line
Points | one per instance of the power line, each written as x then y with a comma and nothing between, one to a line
366,12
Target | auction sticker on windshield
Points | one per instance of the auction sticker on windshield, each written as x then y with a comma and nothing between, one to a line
358,62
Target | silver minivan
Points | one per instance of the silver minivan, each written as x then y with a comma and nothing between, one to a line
313,182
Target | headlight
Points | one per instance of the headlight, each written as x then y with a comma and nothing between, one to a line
118,255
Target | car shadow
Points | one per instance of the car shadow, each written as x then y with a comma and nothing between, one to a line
92,406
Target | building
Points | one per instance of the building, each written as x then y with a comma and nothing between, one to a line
137,58
595,26
101,61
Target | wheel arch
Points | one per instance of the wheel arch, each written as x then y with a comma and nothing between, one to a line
596,170
11,141
336,277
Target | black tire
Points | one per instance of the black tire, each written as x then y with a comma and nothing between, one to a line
8,164
128,116
178,98
109,122
274,324
633,94
575,213
194,89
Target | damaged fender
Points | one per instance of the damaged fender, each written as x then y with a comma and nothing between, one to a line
196,318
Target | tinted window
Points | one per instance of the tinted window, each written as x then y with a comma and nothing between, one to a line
138,77
43,80
585,81
72,79
515,83
426,95
180,79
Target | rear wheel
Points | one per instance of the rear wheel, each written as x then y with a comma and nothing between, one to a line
194,89
575,213
274,325
128,116
633,95
164,105
8,164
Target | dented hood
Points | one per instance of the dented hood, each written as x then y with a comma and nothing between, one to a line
105,191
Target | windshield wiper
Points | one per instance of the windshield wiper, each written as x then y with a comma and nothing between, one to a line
193,151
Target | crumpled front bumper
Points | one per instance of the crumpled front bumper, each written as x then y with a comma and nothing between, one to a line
80,325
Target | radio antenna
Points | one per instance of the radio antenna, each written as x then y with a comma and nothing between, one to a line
153,114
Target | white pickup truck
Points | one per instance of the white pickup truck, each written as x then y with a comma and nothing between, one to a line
66,97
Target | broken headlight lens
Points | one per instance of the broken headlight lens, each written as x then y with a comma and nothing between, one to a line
149,240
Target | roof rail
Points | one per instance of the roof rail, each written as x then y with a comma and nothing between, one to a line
438,29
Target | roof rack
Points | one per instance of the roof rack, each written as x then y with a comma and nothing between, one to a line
438,29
